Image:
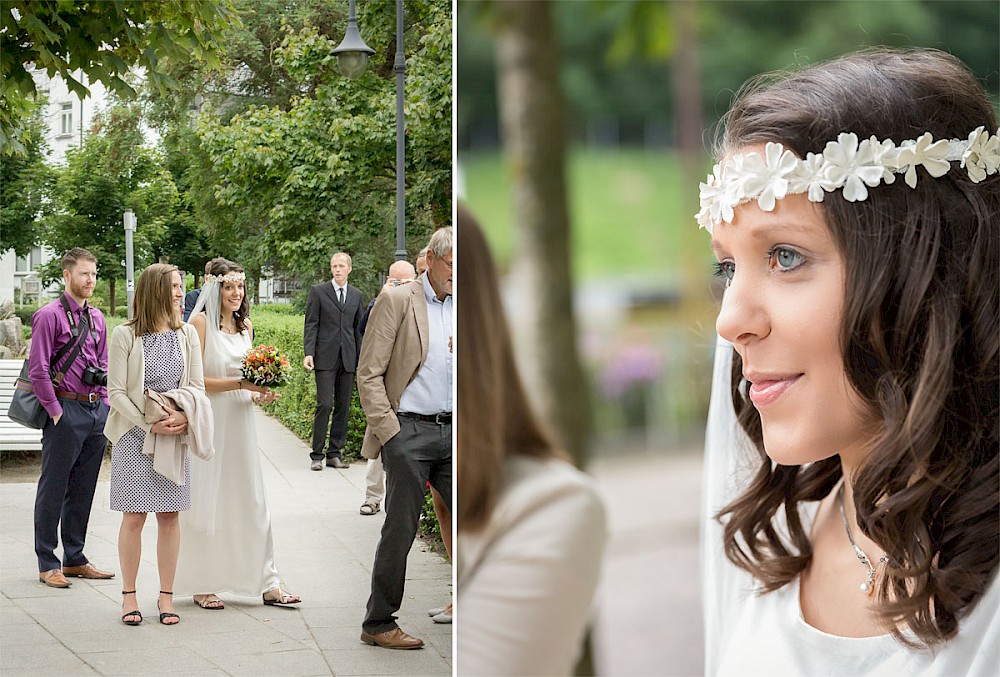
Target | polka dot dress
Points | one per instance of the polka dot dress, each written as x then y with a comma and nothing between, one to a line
135,486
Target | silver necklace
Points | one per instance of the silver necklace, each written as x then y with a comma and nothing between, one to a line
868,587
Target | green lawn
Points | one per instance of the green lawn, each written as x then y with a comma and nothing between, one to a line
625,210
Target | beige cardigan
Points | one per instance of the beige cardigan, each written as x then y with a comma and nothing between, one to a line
127,377
169,452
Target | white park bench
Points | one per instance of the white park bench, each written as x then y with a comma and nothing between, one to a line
14,436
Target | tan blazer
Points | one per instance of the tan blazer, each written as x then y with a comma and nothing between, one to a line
127,377
392,352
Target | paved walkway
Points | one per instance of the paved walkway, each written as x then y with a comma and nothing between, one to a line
648,619
324,551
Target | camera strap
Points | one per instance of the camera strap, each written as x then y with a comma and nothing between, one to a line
79,333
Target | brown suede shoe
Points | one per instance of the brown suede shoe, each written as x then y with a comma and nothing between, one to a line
392,639
53,578
88,570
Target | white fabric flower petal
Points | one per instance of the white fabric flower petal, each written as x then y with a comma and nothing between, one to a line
924,152
807,178
854,189
990,154
886,155
982,155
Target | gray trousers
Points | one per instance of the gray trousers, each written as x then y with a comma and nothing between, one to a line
419,453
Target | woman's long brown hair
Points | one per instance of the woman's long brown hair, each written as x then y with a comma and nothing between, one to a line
920,340
495,419
154,306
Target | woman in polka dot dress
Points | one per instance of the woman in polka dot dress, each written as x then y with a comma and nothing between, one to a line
153,351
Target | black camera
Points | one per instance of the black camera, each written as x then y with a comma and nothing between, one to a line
95,376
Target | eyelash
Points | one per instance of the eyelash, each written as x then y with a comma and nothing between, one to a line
723,270
727,269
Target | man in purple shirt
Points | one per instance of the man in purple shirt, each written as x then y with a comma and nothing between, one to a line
73,440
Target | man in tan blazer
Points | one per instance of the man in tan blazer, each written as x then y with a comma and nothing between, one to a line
405,383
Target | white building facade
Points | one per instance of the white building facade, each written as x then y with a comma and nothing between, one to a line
67,118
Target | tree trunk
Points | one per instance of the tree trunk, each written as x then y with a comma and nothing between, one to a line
253,284
111,301
533,131
685,81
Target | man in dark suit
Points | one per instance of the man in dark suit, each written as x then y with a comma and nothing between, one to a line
332,344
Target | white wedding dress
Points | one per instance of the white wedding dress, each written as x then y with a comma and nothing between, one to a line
226,543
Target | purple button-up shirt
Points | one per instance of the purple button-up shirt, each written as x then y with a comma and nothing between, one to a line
50,331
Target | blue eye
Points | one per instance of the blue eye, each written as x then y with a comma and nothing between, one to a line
785,259
725,270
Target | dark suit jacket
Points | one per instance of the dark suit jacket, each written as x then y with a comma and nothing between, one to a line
190,299
365,315
332,330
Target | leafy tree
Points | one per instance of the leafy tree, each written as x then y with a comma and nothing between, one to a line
112,171
104,40
317,175
24,182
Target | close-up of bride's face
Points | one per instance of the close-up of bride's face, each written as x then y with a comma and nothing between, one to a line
782,311
232,296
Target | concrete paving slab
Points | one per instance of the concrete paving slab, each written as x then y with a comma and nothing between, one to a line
324,550
651,578
304,662
176,660
425,661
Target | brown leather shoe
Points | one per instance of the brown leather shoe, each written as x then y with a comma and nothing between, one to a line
336,462
53,578
392,639
88,570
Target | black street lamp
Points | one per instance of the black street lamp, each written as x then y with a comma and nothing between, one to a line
352,57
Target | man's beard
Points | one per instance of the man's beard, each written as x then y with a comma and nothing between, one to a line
80,291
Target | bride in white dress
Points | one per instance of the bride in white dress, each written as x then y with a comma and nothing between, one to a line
226,543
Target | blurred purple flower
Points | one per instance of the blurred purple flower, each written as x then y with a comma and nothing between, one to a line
633,365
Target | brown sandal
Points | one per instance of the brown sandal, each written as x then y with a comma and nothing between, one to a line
283,598
209,601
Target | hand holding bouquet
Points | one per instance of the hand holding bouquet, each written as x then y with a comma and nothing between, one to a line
266,366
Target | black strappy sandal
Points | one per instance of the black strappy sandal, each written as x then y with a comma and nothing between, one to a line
131,613
164,615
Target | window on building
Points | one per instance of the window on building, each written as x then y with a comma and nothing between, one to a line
26,264
66,119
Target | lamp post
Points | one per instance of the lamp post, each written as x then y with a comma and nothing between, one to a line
352,56
129,262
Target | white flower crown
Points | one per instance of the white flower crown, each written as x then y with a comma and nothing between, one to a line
844,163
228,277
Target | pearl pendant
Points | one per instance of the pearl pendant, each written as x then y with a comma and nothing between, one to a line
866,588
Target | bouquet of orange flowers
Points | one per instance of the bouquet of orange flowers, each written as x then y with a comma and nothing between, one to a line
266,366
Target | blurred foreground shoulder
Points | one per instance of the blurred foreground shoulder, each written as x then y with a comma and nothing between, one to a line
531,571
